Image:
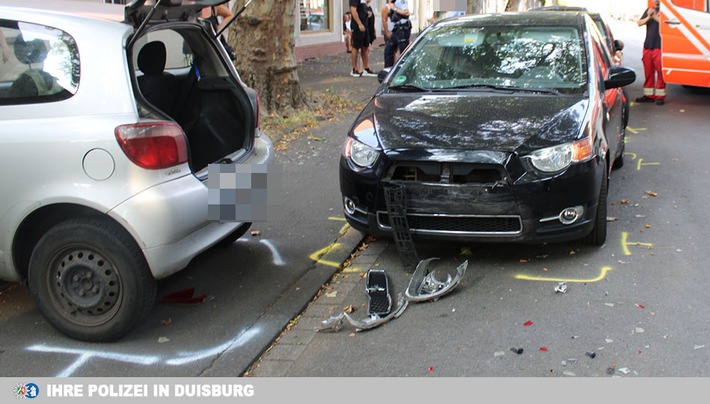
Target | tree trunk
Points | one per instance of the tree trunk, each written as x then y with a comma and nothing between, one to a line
476,6
262,38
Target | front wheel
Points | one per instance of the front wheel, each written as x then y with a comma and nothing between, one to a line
90,280
598,234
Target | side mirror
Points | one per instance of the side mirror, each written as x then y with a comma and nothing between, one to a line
382,75
618,45
619,76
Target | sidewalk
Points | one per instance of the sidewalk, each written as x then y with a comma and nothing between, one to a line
327,74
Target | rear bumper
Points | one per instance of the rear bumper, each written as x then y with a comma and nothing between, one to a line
170,221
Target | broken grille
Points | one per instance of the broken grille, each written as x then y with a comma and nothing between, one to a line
457,224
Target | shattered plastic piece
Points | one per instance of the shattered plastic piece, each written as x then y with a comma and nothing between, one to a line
518,351
336,323
542,349
528,323
424,286
378,293
375,320
699,347
162,340
591,354
561,288
639,330
568,373
640,306
499,354
624,370
610,370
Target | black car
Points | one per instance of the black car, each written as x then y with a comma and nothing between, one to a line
616,47
491,128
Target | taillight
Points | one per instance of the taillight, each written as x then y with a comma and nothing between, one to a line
153,145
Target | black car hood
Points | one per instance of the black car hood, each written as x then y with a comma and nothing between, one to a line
451,124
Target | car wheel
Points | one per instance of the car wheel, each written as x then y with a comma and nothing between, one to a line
619,161
234,236
598,234
625,111
90,280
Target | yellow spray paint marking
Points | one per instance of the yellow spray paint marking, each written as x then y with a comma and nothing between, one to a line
322,256
345,226
625,243
632,155
354,269
601,276
641,164
635,131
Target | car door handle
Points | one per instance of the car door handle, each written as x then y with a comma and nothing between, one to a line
672,22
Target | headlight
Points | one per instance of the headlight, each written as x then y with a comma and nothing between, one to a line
557,158
360,153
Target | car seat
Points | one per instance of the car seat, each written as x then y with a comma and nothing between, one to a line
156,85
34,81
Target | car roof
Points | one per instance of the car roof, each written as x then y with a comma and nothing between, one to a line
95,10
520,18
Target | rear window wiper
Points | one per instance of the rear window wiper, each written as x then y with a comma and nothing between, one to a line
504,88
409,87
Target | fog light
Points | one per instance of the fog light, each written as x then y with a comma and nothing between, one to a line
571,215
349,206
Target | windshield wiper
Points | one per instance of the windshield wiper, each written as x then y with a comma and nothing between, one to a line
409,87
503,88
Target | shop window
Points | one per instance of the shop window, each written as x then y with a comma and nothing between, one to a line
315,15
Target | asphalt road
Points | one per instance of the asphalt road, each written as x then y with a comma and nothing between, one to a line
252,290
634,307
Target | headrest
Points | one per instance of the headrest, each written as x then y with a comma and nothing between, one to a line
34,51
151,58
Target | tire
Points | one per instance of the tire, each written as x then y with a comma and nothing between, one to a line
234,236
597,236
619,161
90,280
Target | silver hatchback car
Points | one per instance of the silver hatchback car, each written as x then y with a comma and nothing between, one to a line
111,118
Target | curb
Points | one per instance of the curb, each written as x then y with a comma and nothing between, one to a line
292,320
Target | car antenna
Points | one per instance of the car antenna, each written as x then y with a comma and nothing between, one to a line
234,17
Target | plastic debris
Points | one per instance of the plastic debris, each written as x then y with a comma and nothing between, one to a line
591,354
378,293
162,340
568,373
528,323
543,349
561,288
639,330
640,306
498,354
610,370
699,347
624,370
518,351
335,323
424,286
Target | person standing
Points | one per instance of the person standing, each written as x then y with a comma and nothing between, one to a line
347,32
654,87
371,23
401,30
361,38
387,24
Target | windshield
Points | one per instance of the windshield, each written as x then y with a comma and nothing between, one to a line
514,57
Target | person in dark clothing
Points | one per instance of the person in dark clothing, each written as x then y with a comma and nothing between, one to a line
361,38
401,30
654,87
